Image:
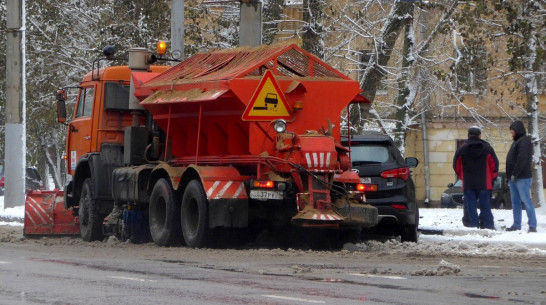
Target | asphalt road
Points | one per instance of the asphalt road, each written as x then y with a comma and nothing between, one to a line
42,272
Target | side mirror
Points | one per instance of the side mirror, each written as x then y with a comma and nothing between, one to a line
61,106
412,162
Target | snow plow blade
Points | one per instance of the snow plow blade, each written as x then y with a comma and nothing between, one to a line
45,214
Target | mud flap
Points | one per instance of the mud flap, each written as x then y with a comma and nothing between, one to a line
45,214
228,213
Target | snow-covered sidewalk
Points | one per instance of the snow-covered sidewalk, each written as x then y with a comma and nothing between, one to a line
449,222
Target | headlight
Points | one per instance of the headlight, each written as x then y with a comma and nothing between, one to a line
280,126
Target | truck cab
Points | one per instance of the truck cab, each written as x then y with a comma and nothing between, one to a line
95,135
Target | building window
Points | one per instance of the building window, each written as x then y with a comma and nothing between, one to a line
471,70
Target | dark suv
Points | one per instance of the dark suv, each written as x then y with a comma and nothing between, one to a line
33,181
453,197
387,183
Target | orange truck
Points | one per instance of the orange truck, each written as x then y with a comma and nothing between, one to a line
245,138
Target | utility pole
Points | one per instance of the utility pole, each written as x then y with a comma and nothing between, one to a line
250,27
177,29
14,164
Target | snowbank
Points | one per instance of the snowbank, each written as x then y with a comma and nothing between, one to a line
448,222
11,216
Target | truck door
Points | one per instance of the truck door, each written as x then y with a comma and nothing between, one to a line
79,129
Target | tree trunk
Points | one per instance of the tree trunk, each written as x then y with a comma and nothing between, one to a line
273,10
531,91
398,17
51,165
402,112
312,35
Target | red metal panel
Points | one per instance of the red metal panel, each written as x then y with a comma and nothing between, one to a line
240,62
45,214
222,182
225,189
318,153
192,95
220,84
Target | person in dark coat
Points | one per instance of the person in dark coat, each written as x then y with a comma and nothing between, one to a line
518,169
476,164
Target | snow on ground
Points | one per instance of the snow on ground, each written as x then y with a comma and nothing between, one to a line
442,233
449,221
11,216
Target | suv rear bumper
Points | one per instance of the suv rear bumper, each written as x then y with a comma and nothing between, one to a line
389,215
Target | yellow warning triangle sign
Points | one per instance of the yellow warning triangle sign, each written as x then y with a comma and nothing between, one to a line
268,102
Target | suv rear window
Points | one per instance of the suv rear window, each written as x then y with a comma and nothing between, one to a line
371,153
32,173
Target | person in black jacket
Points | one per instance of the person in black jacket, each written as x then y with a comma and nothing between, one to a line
476,164
518,169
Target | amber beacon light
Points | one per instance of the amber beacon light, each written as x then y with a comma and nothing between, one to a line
161,48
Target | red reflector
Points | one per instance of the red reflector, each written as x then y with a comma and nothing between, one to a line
401,173
399,206
264,184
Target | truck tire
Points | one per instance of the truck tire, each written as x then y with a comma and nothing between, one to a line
89,216
164,211
194,215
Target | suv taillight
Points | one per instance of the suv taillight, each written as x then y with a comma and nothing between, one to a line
2,181
401,173
361,187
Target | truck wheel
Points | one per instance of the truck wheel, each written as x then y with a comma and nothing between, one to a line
89,216
164,214
194,215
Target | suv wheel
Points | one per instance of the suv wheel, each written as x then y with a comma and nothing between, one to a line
409,232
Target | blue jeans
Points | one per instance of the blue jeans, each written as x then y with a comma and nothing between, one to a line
520,191
471,200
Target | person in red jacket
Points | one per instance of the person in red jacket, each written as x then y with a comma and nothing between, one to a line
476,164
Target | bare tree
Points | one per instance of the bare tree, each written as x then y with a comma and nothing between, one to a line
313,38
373,33
527,46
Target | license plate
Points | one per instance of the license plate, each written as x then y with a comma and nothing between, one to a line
264,195
366,180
